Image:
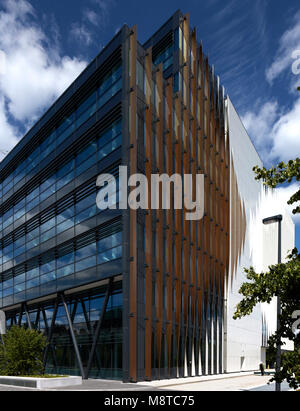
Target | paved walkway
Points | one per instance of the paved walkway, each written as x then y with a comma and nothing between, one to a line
234,382
241,383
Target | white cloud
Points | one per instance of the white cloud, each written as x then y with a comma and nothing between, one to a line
286,133
81,33
259,124
95,18
36,72
8,134
276,133
91,16
289,42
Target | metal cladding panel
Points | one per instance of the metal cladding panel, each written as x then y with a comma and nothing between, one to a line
250,245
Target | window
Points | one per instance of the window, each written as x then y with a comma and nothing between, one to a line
104,98
46,226
32,274
86,158
85,203
46,236
165,57
86,214
110,248
140,76
65,260
65,129
86,263
60,228
65,215
33,283
89,250
65,271
86,110
110,140
48,267
47,278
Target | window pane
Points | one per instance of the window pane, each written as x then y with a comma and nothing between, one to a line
85,264
65,260
65,271
89,250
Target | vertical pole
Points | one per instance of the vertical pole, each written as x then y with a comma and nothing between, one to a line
225,332
97,333
50,333
27,316
73,336
278,354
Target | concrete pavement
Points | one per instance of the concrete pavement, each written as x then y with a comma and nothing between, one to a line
240,382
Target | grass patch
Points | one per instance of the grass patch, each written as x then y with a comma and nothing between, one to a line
43,376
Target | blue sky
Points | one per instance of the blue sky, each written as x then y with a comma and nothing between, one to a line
251,42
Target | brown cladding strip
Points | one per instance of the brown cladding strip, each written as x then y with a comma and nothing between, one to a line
185,289
133,214
159,213
169,223
148,217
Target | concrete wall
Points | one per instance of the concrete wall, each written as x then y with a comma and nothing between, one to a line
244,337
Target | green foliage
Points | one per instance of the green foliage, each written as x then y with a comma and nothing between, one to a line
291,369
282,280
281,174
21,353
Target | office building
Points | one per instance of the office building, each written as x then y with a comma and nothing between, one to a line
126,294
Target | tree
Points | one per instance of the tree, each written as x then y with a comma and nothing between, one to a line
282,280
283,173
21,353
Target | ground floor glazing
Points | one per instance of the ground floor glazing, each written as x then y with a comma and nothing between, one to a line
86,309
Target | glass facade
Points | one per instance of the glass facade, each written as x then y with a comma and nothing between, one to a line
53,237
63,215
165,57
43,275
85,310
85,158
109,86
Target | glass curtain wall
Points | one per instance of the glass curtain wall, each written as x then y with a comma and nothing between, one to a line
109,86
85,310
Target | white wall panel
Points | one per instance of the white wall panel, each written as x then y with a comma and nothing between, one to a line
244,337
